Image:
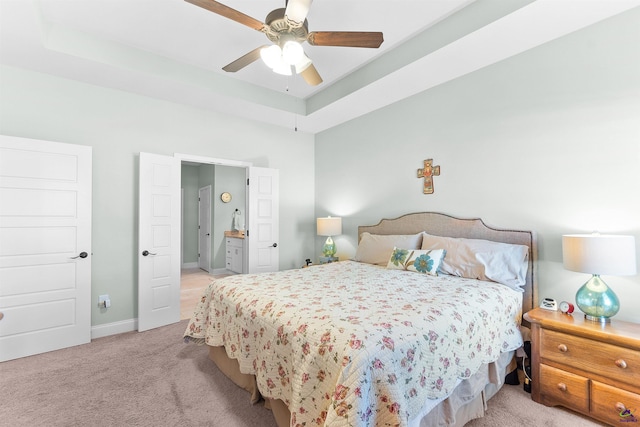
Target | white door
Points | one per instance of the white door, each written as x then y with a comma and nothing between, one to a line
204,228
45,246
158,241
263,216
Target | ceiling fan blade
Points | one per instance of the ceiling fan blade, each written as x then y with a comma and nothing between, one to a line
227,12
345,38
296,12
311,75
243,61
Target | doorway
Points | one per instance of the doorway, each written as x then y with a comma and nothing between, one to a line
205,218
159,243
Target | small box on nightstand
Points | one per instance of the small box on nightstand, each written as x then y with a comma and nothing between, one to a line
327,259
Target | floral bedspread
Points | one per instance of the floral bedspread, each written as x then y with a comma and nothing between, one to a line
352,344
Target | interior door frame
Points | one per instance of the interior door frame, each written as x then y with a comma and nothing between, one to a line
190,158
176,183
181,159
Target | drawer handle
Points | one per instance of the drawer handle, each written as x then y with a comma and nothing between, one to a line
620,363
562,387
563,348
620,407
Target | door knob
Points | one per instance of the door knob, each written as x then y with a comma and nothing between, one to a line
208,234
145,253
275,245
80,255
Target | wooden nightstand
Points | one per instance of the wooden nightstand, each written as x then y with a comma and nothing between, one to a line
585,366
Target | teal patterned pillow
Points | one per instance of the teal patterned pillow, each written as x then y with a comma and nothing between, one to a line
419,261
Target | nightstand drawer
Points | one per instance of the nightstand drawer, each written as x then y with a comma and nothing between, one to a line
618,363
609,404
564,388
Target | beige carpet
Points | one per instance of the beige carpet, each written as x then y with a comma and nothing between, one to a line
134,379
154,379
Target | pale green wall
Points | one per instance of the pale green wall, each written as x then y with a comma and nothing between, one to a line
232,180
548,141
118,126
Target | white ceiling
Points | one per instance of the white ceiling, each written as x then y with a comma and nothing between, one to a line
173,50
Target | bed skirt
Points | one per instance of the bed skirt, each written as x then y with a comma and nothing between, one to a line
467,402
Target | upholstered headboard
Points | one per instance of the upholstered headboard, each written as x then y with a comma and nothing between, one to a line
473,228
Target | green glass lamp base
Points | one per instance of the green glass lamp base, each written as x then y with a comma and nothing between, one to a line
597,301
329,248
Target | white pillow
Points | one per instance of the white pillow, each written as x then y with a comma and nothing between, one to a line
377,248
419,261
482,259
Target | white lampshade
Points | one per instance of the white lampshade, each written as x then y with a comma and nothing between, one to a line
292,52
330,226
283,69
599,254
272,56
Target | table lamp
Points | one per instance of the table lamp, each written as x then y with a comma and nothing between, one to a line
599,254
330,226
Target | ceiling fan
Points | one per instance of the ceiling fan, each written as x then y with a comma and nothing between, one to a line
288,28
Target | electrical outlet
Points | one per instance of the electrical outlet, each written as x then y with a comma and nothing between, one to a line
104,301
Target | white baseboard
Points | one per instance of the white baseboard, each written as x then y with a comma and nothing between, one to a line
114,328
190,265
221,271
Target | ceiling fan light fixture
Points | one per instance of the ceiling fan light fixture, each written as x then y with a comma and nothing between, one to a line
271,56
289,24
292,52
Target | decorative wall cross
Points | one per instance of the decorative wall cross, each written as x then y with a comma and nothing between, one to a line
428,172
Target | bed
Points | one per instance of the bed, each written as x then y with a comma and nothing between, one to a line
408,333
